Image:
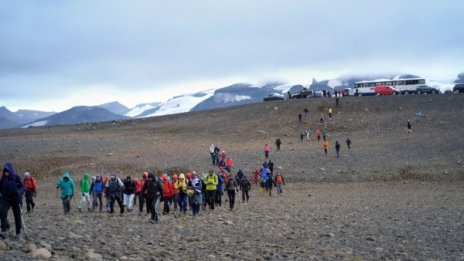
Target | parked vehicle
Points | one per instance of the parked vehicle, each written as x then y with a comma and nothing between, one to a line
317,94
364,91
426,89
274,97
405,86
304,93
385,90
458,88
348,92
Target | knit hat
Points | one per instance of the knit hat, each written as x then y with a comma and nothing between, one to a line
27,174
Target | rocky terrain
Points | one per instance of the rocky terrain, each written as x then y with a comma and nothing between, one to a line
393,196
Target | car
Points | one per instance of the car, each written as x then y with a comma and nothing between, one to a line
273,97
458,88
426,89
317,94
385,90
304,93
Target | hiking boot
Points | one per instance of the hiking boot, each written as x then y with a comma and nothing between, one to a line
19,236
153,221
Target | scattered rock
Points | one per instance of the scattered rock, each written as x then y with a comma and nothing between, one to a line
110,154
30,247
370,238
91,256
262,132
41,253
3,246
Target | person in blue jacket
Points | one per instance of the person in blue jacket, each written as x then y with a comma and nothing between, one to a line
97,188
11,190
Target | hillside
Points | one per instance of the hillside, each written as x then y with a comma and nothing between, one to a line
393,196
376,126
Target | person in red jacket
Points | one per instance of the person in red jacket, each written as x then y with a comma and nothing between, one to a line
142,195
30,188
168,192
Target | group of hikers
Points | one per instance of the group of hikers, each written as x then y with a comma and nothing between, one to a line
324,134
177,191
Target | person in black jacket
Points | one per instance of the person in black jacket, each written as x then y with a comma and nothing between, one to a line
245,186
154,191
11,190
129,193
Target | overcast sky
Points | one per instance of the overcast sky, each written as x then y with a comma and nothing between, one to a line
59,54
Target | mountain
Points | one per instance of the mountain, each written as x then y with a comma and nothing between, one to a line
30,115
460,78
178,104
237,94
76,115
115,107
7,119
141,108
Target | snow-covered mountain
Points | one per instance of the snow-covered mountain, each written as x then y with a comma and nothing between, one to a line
141,108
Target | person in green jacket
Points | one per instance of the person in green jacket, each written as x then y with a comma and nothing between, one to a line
85,192
66,185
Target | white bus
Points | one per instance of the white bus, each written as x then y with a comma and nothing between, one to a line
403,85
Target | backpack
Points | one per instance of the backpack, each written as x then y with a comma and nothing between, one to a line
98,187
113,186
153,188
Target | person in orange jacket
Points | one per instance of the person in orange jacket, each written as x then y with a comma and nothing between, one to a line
175,190
168,191
30,188
325,145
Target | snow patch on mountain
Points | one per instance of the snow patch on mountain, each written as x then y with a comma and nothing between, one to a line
181,104
139,109
36,124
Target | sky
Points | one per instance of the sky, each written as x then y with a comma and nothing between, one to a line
58,54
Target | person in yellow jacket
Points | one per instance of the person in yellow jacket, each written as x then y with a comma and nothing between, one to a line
211,182
330,112
181,186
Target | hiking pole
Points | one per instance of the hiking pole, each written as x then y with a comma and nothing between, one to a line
22,220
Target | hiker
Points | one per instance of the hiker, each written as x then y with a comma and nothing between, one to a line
181,186
142,195
216,155
308,134
330,112
337,100
302,136
279,182
409,127
245,186
306,111
321,119
97,192
269,183
299,117
106,193
231,187
325,134
325,145
229,165
211,182
348,143
11,190
30,188
267,149
175,189
337,148
85,192
270,166
168,192
66,185
114,188
219,189
264,177
129,193
324,93
196,185
277,143
154,191
318,134
256,175
211,152
238,177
